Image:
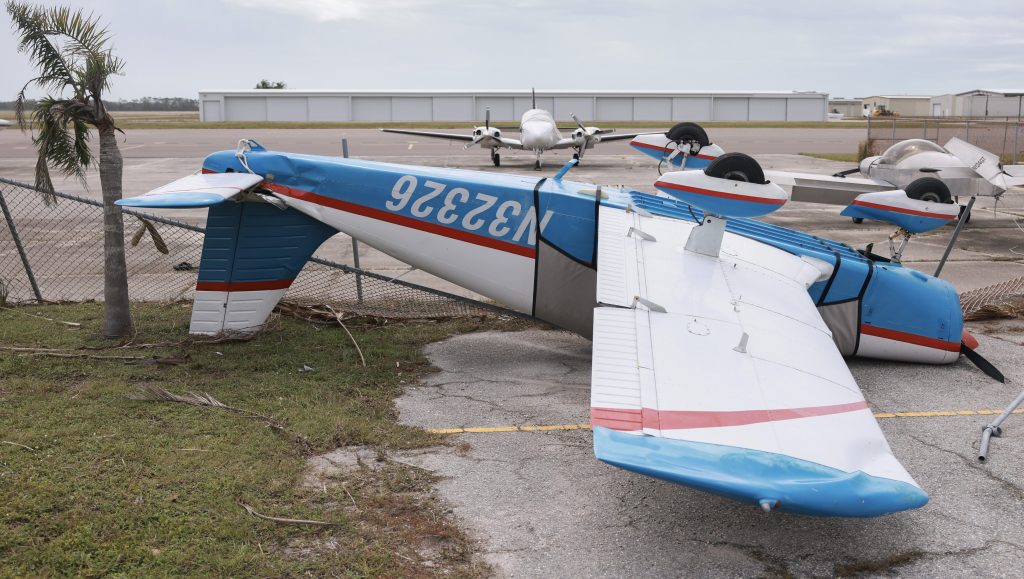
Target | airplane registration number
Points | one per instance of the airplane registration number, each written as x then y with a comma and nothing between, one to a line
458,207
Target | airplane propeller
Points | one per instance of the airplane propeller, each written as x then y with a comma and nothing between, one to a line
585,135
480,133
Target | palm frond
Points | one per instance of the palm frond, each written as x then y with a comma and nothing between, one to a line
33,25
62,139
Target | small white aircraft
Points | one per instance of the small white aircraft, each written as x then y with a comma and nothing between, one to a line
5,123
538,133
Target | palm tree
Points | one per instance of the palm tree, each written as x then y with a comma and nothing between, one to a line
69,50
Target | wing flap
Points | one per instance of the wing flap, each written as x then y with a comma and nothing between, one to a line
739,374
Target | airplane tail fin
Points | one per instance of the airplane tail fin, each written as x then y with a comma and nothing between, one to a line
251,255
984,163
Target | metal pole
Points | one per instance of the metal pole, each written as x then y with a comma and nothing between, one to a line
355,242
21,248
1016,130
994,428
926,129
956,233
894,130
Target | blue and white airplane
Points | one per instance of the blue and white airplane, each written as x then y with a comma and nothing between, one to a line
718,340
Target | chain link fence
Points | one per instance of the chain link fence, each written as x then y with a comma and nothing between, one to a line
51,250
1001,136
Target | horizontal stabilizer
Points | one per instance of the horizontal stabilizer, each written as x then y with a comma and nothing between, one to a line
984,163
895,207
200,190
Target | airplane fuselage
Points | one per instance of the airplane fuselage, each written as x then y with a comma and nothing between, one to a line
530,244
538,130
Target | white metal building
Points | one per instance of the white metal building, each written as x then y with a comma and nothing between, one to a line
979,103
284,105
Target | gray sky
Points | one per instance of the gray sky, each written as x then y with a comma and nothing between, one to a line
850,48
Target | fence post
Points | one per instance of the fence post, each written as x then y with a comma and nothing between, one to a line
355,242
894,130
21,249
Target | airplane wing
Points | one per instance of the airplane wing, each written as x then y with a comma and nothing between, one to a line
719,374
619,136
826,189
568,142
431,134
199,190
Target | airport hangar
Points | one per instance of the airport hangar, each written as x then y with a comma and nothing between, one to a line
380,106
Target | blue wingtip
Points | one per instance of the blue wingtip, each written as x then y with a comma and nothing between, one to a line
761,478
183,200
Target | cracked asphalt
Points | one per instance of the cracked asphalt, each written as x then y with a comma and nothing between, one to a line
540,504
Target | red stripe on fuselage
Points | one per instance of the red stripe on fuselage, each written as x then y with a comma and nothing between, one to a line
631,419
243,286
905,337
402,220
720,194
902,210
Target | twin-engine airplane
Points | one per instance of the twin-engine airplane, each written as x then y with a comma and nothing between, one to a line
718,340
538,133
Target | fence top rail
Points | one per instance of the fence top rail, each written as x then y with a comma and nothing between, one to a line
94,203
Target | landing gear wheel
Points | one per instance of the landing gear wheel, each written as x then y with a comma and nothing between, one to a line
736,167
688,132
576,156
496,159
929,189
536,165
858,220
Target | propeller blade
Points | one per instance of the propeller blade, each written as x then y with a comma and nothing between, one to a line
578,122
533,92
487,118
475,140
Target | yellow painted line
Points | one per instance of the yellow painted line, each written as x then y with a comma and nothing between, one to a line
586,426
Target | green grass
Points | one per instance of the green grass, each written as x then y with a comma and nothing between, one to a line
844,157
119,486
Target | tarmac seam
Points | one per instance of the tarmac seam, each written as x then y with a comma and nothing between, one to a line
586,426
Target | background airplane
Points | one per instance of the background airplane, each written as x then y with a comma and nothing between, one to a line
538,133
5,123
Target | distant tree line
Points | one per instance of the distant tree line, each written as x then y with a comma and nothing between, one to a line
141,104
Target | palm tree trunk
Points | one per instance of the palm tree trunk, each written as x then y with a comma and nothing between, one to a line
117,318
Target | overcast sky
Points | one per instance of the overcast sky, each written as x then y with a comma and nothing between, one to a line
850,48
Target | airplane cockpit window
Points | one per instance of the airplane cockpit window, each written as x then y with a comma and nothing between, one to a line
896,153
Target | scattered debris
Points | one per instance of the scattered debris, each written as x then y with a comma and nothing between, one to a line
17,444
147,225
284,521
152,393
184,266
306,368
75,325
1011,307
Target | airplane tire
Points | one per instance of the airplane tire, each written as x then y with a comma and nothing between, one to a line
929,189
688,132
496,158
858,220
736,167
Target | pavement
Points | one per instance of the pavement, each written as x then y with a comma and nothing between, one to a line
539,503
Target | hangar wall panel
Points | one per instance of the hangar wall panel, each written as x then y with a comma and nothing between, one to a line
284,109
691,109
371,109
652,109
524,104
614,109
211,112
502,108
454,109
245,108
807,109
582,107
767,109
731,109
412,109
329,109
469,106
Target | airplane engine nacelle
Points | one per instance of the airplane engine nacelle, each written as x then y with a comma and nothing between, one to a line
866,164
731,186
